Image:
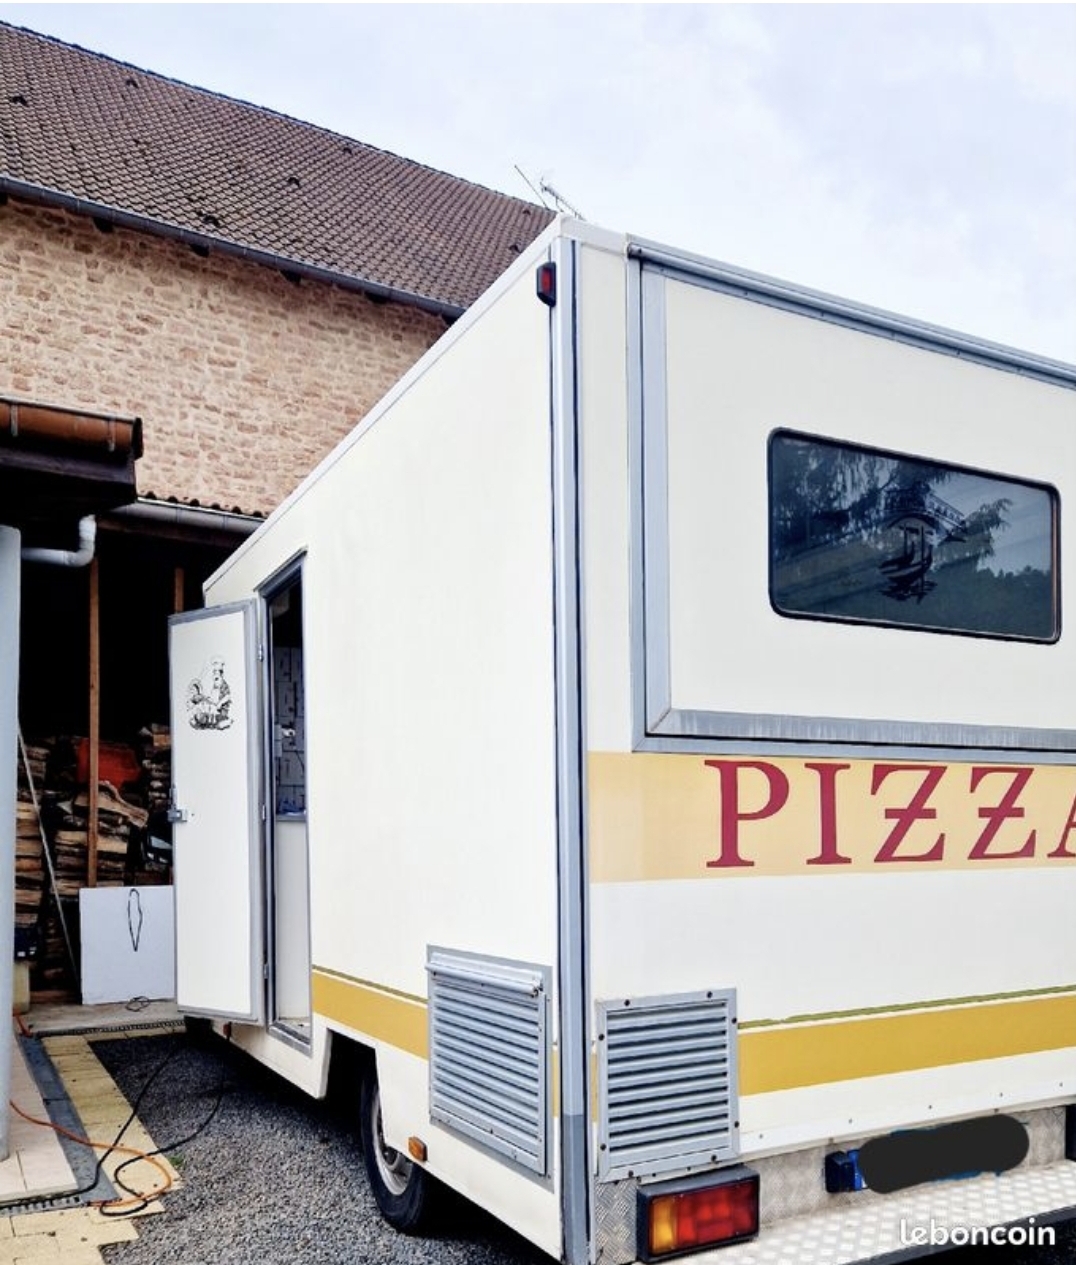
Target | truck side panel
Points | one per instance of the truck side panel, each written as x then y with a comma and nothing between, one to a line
896,960
426,546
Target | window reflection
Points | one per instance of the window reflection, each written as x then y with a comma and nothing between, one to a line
864,535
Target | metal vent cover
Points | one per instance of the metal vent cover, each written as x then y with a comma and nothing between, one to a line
666,1083
489,1056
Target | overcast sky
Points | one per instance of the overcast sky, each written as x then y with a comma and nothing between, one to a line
920,158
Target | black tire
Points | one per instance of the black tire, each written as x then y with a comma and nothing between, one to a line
402,1191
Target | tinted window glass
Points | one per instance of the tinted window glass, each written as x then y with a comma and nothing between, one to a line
864,535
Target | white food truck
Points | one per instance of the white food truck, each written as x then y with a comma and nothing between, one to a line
645,748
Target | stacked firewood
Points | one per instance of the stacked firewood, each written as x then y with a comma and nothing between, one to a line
37,916
155,743
29,858
70,838
58,768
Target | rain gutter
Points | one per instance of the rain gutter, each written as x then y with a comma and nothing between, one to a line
198,517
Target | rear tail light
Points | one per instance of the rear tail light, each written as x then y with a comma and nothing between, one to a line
684,1216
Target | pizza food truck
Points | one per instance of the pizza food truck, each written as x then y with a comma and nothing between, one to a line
645,752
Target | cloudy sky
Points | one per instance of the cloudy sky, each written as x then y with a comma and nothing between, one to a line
920,158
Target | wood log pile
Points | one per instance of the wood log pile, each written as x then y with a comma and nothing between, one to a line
29,858
58,769
70,838
155,743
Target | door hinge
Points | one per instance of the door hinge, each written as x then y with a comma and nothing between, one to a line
261,653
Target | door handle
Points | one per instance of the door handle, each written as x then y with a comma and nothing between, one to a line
175,814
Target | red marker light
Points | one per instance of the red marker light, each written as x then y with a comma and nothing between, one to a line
546,283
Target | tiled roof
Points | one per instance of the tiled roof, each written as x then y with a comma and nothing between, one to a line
75,125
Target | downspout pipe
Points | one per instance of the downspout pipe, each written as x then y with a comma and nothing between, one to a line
10,588
80,557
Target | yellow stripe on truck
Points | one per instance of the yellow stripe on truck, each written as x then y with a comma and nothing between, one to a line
395,1018
793,1056
657,816
384,1014
880,1045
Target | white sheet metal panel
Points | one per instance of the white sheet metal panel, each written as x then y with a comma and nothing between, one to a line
305,1065
427,582
128,941
815,945
736,370
853,947
216,796
291,915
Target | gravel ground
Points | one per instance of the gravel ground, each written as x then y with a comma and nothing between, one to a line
277,1179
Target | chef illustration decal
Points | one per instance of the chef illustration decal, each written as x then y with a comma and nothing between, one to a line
209,698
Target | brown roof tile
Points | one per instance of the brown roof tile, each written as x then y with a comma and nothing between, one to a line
82,126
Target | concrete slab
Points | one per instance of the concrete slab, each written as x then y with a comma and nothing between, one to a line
112,1018
76,1086
36,1166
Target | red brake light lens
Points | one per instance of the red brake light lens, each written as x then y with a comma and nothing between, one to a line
677,1218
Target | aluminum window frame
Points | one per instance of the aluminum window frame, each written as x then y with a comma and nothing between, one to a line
656,724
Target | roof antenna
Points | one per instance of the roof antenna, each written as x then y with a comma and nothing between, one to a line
542,188
560,201
531,185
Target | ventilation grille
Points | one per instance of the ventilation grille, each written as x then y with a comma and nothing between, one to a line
667,1083
488,1053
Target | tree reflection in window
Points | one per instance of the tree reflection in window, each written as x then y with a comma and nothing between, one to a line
864,535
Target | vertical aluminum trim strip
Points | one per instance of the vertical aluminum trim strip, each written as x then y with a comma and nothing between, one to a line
653,488
10,598
633,318
571,866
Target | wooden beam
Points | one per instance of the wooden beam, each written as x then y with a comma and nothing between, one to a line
95,723
178,591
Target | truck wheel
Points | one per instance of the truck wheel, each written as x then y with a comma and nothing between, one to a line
401,1190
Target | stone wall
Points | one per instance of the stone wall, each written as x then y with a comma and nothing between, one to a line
244,379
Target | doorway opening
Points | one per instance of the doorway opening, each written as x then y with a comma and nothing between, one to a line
287,865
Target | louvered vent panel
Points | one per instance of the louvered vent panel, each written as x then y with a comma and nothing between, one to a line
667,1080
488,1053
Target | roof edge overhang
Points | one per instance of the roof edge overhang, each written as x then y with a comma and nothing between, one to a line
41,195
176,520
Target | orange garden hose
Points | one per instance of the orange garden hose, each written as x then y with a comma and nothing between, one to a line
109,1147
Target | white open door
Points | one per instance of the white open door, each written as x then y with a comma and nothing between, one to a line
217,812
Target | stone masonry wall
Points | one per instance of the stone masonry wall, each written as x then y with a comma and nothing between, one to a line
244,380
